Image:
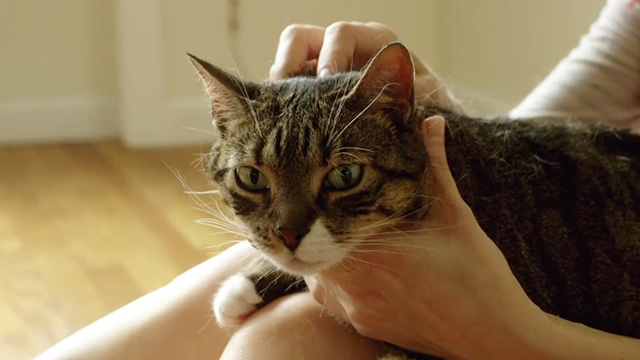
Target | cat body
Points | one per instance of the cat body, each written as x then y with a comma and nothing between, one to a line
313,167
562,202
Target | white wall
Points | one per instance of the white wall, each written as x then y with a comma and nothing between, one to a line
57,65
202,28
496,51
73,70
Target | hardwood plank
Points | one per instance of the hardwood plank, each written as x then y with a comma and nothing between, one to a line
86,228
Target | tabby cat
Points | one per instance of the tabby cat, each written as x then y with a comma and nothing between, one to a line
312,166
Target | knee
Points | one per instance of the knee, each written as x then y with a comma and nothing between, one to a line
290,314
296,327
280,330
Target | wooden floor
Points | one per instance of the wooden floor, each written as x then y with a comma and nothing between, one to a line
85,229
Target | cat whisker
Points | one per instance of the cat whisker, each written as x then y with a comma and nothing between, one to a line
355,148
392,217
212,221
363,111
245,94
276,279
356,236
209,317
418,210
344,153
219,248
342,100
294,284
390,234
427,97
385,252
236,236
370,263
206,192
220,224
393,241
224,231
198,130
220,220
241,237
271,270
333,105
218,215
401,245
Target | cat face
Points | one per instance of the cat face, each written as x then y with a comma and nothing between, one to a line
313,167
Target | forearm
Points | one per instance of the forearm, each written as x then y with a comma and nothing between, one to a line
557,339
569,340
599,81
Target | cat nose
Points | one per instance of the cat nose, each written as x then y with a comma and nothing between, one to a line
290,237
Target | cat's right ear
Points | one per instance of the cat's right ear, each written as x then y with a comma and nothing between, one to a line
387,82
229,94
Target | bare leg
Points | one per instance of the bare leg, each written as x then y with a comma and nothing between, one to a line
296,327
173,322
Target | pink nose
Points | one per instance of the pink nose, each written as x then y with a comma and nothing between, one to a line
291,238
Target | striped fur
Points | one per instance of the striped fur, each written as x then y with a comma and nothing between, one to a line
561,200
303,135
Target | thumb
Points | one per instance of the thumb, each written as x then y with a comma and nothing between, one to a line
433,131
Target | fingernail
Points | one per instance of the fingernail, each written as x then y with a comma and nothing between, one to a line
432,126
324,72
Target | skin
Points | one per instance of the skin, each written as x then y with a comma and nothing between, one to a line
466,287
345,46
173,322
297,327
460,285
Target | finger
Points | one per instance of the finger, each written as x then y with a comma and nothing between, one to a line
316,288
350,45
325,297
332,302
433,131
298,44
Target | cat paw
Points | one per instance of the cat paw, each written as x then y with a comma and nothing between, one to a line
235,301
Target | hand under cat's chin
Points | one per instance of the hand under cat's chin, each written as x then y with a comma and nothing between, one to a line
300,267
296,265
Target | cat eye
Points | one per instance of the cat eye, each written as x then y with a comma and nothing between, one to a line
344,177
251,179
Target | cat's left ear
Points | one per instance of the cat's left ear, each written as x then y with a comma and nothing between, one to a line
215,78
387,81
230,95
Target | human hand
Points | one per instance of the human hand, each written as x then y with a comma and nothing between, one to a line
445,289
344,46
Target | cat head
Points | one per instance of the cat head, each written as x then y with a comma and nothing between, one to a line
312,167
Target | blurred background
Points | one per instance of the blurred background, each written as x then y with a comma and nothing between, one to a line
98,105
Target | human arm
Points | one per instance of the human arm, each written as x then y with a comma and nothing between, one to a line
448,290
475,307
599,81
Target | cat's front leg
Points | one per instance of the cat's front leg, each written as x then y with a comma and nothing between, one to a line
252,288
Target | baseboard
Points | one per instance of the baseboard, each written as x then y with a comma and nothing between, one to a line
184,122
90,119
188,120
57,120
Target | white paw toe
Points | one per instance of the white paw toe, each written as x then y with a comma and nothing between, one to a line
236,299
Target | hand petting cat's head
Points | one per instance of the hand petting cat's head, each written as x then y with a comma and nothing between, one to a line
312,167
